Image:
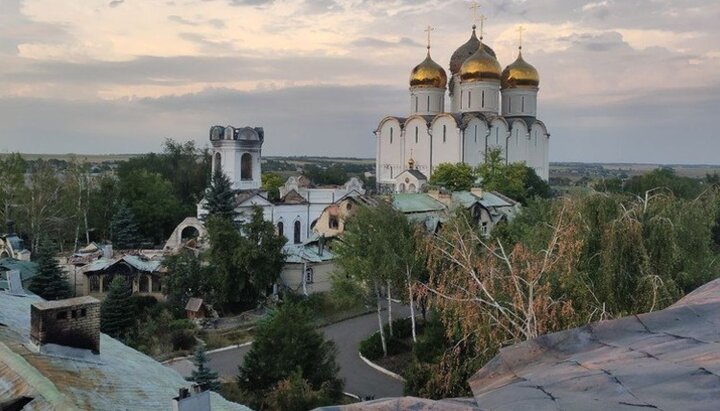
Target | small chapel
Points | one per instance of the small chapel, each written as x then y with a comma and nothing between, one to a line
490,108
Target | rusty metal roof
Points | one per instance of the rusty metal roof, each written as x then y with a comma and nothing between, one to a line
119,378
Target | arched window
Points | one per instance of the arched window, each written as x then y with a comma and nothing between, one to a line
333,223
391,134
401,188
476,133
309,275
246,167
217,163
428,103
296,233
523,104
483,99
416,103
280,228
416,135
412,189
444,133
469,98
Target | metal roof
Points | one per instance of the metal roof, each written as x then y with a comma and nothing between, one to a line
140,264
300,253
28,270
119,378
416,203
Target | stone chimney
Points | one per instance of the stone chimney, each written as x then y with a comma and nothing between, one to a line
192,401
74,322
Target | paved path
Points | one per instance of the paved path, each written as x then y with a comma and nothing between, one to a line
360,379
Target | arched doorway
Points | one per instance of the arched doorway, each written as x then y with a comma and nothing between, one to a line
189,233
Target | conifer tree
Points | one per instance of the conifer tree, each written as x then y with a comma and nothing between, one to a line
124,230
220,196
116,311
203,376
49,282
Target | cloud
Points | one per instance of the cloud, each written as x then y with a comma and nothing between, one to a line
380,43
116,3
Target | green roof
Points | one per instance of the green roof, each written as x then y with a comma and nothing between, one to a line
28,270
416,203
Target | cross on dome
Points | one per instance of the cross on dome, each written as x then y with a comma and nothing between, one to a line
429,30
520,31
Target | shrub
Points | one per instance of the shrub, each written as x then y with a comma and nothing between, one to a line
371,347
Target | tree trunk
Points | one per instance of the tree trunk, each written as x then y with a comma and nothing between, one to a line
379,317
389,308
412,304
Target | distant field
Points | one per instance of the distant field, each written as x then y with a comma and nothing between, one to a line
90,158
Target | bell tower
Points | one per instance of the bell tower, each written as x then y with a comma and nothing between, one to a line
237,152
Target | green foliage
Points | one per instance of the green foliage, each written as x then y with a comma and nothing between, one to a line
220,196
296,394
150,198
12,185
454,177
117,310
125,234
243,266
333,174
371,347
49,283
516,180
664,178
206,378
186,277
271,183
287,342
158,333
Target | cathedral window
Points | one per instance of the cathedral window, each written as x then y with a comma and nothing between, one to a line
416,135
296,233
391,134
428,103
476,133
444,133
509,104
416,103
482,104
523,104
469,98
280,228
246,167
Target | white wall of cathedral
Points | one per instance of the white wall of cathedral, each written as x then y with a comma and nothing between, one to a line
427,101
519,102
455,95
446,142
518,141
483,96
497,139
417,145
476,134
390,161
539,145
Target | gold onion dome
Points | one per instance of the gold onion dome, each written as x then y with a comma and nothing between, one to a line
428,74
480,66
520,74
465,51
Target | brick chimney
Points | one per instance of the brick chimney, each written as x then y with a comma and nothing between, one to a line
74,322
192,401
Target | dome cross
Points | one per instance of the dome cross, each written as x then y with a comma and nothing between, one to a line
520,31
429,30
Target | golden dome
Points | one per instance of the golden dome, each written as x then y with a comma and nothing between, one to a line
428,74
520,73
465,51
480,66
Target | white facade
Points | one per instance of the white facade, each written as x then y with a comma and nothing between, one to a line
237,152
485,114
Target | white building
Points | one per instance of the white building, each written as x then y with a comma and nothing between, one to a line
238,153
489,108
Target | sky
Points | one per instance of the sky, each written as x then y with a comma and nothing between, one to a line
621,80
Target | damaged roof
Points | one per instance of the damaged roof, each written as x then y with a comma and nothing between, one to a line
119,378
140,264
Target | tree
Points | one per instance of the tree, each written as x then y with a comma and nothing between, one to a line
117,310
271,183
206,378
515,180
454,177
187,277
150,197
287,342
245,262
376,257
43,205
49,282
12,185
220,196
124,231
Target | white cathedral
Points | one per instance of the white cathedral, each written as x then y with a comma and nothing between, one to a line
489,108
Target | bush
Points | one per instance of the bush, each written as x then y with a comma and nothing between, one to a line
143,303
371,347
182,339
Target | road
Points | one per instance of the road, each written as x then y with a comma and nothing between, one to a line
360,379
